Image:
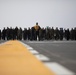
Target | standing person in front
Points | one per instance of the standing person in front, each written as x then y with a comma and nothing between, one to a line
37,28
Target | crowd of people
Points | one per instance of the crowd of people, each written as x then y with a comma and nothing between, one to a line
37,33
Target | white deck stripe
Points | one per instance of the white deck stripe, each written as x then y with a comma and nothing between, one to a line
29,48
42,57
2,43
34,52
58,69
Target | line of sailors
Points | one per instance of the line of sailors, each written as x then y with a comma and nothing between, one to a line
37,33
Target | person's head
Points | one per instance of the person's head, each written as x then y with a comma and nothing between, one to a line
4,28
36,23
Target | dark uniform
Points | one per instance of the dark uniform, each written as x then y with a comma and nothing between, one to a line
40,34
25,34
4,33
75,33
7,33
33,33
43,34
52,33
67,34
28,34
72,34
16,33
61,33
56,34
19,35
0,34
47,33
11,33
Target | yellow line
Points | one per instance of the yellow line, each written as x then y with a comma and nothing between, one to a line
15,59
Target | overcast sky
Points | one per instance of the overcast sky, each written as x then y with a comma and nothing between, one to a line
25,13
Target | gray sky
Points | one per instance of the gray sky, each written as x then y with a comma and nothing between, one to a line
25,13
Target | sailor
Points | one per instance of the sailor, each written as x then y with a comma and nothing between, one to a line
37,28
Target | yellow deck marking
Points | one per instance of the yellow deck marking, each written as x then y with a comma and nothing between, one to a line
15,59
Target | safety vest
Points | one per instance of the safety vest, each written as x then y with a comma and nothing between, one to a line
36,27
